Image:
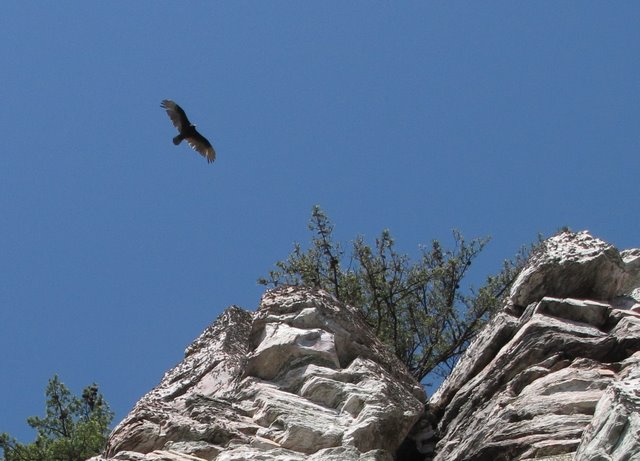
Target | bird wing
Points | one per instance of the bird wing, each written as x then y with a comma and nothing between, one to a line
176,114
200,144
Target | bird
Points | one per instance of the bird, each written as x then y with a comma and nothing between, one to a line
188,131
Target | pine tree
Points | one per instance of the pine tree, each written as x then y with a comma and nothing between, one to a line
419,309
73,429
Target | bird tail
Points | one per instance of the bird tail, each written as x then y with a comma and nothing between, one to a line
177,140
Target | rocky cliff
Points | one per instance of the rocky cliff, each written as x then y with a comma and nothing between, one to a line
555,375
302,378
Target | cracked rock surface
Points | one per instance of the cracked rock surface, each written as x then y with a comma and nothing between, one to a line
555,375
302,378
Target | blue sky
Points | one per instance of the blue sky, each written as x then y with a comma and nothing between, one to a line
501,119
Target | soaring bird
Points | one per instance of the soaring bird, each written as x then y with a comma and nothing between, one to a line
188,131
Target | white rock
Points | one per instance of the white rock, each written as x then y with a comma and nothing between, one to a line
572,266
554,376
614,431
549,376
303,378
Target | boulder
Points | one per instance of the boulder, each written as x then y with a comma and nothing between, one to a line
574,265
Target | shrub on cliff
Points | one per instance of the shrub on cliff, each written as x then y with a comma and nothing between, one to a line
419,308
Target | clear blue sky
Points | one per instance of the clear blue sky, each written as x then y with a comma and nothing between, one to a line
117,248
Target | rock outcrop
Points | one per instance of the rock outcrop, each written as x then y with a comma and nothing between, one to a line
555,375
302,378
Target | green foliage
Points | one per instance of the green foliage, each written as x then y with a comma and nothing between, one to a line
74,429
418,308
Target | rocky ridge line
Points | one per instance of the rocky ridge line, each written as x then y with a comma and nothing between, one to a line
554,376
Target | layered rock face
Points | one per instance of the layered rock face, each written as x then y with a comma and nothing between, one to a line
556,374
302,378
